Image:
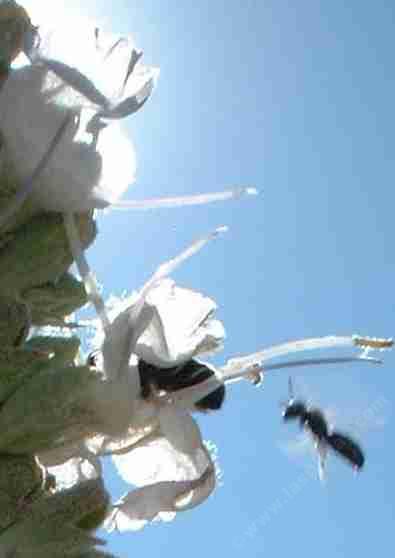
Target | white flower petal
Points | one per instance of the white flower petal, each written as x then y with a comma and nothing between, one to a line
80,174
121,338
71,464
144,504
182,326
102,57
180,429
121,445
160,501
156,461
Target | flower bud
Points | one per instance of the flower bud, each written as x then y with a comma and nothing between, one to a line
20,478
14,321
54,525
52,302
53,408
39,252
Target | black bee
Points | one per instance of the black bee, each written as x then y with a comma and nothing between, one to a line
314,421
172,379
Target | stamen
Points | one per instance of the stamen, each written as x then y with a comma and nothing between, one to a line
319,361
199,199
240,367
249,367
171,265
239,364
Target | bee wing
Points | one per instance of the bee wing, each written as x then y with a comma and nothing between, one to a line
291,390
322,450
298,447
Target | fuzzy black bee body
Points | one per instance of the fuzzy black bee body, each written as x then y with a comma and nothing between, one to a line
173,379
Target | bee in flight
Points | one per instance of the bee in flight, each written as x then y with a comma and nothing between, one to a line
314,422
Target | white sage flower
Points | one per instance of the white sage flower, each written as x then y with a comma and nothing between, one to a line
60,123
182,326
167,327
84,171
93,163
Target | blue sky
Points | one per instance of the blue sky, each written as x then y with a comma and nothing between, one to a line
295,98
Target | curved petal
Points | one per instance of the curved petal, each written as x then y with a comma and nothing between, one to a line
199,491
121,338
134,437
135,102
151,502
81,173
154,461
76,80
180,429
138,507
182,326
138,327
71,464
103,58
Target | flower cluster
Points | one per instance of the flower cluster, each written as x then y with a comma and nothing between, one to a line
64,154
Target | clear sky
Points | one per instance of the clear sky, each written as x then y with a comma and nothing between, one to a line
295,98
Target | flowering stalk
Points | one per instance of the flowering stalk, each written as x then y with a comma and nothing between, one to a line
71,415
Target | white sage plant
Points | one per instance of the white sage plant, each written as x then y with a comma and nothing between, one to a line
64,154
